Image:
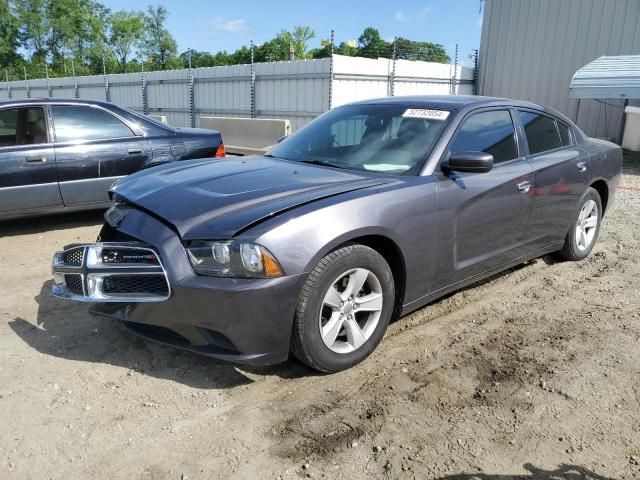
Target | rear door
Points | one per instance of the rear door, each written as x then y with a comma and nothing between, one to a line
561,175
486,213
28,178
94,148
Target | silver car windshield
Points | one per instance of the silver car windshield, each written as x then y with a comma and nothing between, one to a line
375,138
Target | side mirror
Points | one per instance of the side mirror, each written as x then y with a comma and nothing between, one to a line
472,162
282,138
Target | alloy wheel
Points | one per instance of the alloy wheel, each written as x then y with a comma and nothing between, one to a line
350,310
586,226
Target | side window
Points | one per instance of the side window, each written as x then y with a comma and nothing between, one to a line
565,136
22,126
73,123
541,132
490,132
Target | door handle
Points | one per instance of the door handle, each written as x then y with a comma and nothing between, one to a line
581,166
135,151
35,159
524,187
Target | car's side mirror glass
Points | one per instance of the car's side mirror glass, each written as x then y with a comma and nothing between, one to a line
471,162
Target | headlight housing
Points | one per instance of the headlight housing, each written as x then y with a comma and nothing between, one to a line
233,259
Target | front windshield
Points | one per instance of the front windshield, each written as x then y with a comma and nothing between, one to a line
376,138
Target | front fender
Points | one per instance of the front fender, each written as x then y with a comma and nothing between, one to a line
404,215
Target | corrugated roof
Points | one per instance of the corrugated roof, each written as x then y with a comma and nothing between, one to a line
608,77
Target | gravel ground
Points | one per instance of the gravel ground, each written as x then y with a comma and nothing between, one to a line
531,374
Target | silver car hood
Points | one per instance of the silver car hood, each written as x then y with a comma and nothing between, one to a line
218,198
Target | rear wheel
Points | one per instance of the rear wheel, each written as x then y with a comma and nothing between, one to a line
585,228
344,309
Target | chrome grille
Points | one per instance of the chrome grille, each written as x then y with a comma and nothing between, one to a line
73,256
74,283
110,272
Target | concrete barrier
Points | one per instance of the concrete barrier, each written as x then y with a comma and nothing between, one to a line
160,118
248,136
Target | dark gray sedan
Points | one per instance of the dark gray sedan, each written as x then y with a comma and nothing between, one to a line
371,211
63,155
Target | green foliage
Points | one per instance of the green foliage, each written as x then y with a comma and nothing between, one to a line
158,44
38,36
126,30
425,51
371,45
34,26
9,31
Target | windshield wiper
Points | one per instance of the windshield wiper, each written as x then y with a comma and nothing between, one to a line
322,163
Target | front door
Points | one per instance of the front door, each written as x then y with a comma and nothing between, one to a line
93,149
485,214
28,178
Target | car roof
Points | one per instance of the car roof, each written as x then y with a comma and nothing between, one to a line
455,102
461,103
47,100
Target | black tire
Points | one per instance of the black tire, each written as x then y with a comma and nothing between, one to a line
571,250
306,340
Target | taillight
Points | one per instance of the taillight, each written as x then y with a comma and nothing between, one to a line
220,150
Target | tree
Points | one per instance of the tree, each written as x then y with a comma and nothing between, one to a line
159,46
34,26
298,38
8,35
76,28
198,59
240,56
88,36
61,23
347,50
274,50
371,45
126,30
423,51
47,35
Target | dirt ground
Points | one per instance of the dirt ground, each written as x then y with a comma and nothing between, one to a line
532,374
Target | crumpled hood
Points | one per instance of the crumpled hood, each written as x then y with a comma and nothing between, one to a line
216,199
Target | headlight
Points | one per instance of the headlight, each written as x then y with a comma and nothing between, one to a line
233,259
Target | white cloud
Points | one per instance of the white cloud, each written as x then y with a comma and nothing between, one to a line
222,25
425,11
400,16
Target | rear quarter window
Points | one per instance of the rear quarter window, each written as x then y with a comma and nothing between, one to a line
565,135
541,132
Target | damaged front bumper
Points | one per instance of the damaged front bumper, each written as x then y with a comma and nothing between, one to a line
148,286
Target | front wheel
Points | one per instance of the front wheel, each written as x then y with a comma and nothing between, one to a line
585,227
343,309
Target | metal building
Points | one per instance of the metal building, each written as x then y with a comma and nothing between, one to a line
530,50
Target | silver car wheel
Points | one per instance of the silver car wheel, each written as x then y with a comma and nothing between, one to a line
350,310
587,225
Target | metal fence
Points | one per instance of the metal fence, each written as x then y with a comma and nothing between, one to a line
298,90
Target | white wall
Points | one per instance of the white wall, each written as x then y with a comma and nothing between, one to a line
298,91
364,78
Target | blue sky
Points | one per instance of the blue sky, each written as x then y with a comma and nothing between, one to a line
225,24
